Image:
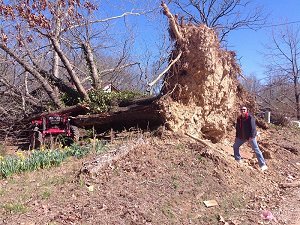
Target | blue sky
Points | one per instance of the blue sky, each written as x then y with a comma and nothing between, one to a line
249,43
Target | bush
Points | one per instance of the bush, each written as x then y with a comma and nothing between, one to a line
101,101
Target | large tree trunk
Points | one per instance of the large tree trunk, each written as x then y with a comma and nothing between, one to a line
142,116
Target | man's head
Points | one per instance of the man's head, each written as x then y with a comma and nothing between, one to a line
244,111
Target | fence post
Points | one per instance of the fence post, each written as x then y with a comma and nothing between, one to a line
268,116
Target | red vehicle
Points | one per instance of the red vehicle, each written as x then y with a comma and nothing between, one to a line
53,127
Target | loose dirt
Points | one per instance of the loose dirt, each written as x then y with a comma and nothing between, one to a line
164,180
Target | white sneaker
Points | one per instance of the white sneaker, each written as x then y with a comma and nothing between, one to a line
263,168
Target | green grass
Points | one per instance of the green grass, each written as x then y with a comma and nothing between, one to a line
14,208
45,159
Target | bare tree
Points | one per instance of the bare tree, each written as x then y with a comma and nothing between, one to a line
283,57
251,83
223,15
50,40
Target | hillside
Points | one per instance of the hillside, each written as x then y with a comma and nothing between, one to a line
163,180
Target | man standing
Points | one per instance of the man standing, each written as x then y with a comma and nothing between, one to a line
246,131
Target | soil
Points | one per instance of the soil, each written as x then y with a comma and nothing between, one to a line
164,180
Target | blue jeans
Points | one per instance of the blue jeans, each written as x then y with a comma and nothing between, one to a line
236,148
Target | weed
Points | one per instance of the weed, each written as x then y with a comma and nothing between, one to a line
175,182
46,194
168,212
209,219
14,208
235,201
180,147
200,158
199,181
2,150
81,182
59,180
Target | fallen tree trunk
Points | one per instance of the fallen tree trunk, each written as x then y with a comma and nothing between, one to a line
140,101
143,116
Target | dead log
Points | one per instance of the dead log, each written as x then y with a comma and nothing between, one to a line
96,165
205,143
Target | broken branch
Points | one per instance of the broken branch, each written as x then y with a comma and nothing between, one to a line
160,75
173,23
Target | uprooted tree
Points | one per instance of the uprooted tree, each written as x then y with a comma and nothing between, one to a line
199,95
200,92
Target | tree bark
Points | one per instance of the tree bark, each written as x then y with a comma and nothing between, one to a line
60,84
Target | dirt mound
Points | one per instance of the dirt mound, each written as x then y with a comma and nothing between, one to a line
202,86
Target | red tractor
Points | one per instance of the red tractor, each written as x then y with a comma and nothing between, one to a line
53,127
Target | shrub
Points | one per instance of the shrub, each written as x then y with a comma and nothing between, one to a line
101,101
